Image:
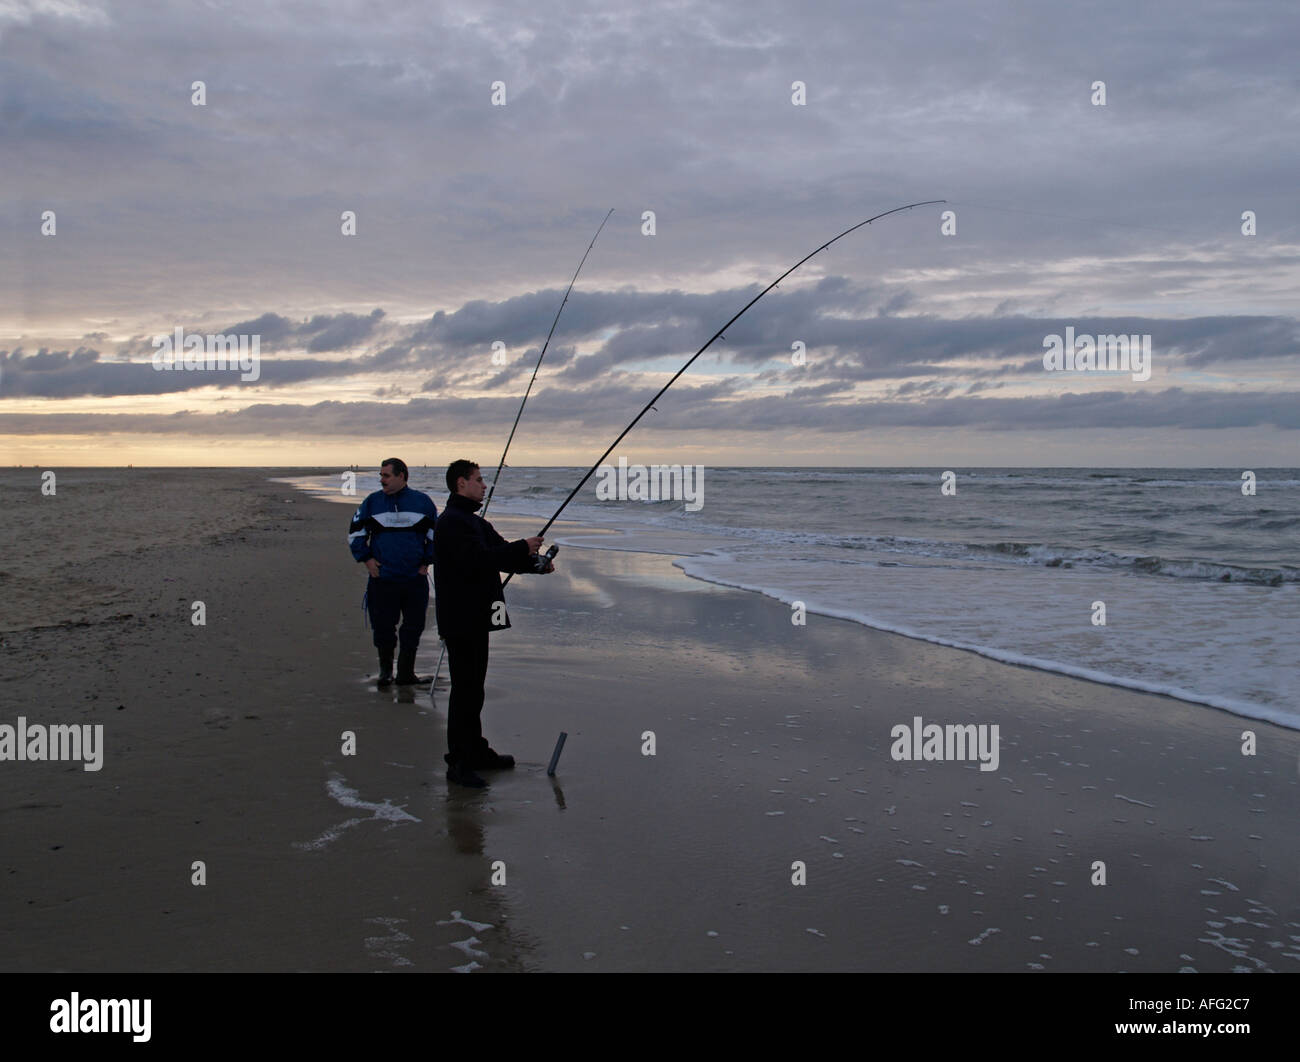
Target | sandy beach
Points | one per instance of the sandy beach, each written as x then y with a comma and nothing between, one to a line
224,743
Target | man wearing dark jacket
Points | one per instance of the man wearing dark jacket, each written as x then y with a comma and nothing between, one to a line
392,535
469,603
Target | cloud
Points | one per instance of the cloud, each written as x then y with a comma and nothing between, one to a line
470,217
627,333
813,409
340,330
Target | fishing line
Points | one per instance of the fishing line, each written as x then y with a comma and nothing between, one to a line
1063,217
573,493
528,391
501,464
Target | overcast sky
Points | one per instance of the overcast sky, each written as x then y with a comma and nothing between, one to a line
920,347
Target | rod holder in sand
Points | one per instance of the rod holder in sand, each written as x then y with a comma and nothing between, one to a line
555,756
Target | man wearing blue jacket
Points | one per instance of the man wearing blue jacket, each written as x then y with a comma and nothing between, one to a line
392,535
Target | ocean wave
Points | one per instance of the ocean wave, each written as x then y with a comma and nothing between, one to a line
1282,714
1151,564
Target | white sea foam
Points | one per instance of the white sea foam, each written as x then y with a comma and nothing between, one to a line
1189,647
350,798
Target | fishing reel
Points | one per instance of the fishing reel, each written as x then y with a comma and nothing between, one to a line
541,560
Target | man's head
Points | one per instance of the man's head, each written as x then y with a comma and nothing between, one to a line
465,478
392,475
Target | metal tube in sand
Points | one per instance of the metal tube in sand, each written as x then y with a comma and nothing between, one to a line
555,756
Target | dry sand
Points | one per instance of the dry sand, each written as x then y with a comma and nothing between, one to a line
224,744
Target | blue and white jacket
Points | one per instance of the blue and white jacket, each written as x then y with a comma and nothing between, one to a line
397,530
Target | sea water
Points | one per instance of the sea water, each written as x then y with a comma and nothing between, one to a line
1197,581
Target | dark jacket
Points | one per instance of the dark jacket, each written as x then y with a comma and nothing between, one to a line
467,555
397,530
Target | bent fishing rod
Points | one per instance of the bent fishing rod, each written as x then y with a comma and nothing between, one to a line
501,464
650,405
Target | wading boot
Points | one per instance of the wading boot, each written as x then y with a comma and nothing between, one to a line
487,760
463,775
406,675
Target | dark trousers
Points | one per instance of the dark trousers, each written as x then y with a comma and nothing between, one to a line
467,662
387,600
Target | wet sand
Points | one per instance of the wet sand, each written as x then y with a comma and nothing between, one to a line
772,745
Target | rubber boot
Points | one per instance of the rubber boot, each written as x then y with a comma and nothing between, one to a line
406,675
464,775
385,668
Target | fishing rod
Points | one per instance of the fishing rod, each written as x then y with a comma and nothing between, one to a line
501,464
649,405
528,391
